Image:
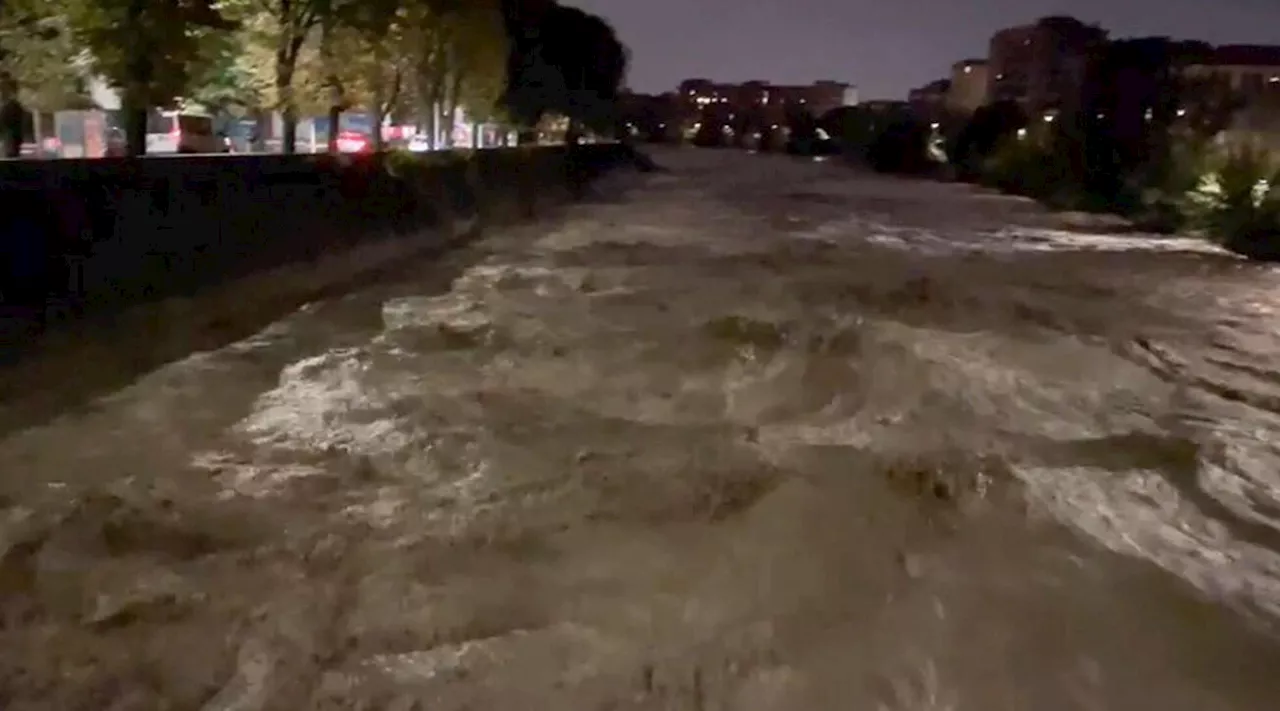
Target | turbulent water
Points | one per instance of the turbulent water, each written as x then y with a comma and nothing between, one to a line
756,434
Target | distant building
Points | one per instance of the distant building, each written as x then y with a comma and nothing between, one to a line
969,85
1252,71
1253,74
884,106
657,116
929,100
1041,65
816,98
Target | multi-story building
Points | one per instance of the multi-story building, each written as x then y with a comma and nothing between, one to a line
816,98
969,84
1252,73
929,101
1041,65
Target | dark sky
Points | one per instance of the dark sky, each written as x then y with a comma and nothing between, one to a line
884,47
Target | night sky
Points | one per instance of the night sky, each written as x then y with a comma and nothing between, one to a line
883,47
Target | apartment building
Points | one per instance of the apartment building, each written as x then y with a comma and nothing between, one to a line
1043,64
969,85
816,98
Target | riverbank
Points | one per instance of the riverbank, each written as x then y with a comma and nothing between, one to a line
91,237
41,379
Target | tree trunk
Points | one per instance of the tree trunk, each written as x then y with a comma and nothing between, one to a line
379,115
335,118
336,98
258,141
133,111
11,116
285,63
134,100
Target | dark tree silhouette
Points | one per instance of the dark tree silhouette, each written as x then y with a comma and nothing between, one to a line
902,147
855,128
989,126
1133,96
562,60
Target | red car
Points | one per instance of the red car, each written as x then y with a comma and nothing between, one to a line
354,142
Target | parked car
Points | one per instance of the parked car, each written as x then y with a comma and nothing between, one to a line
354,142
177,132
420,143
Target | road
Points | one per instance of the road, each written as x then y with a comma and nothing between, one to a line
755,434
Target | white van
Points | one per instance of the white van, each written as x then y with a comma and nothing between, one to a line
177,132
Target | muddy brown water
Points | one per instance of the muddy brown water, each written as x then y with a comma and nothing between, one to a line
756,434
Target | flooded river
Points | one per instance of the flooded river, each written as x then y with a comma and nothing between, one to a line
754,435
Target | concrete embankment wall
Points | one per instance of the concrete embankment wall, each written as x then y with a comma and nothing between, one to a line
91,236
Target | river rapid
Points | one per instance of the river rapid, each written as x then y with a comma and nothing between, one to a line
755,434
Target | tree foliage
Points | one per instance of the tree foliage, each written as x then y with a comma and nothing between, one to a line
293,56
144,48
562,60
39,53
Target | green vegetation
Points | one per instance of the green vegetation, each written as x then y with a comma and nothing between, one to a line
410,58
1145,141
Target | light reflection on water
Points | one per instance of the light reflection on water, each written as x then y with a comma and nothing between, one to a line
665,457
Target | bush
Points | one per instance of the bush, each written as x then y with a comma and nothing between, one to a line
1163,186
1238,204
986,130
902,147
1028,166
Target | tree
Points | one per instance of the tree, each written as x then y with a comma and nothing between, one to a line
479,71
222,79
276,33
371,38
40,67
458,60
902,147
146,49
1136,95
562,60
988,128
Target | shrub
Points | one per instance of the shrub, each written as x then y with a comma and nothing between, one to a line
985,131
1162,187
1238,204
1029,167
902,147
